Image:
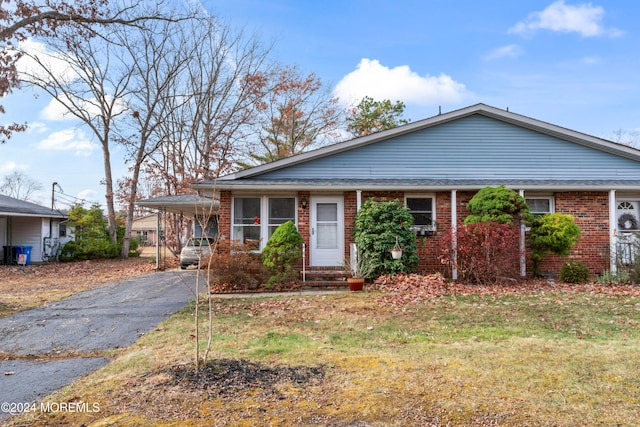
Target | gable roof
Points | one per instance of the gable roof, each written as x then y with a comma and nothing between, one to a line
16,207
621,159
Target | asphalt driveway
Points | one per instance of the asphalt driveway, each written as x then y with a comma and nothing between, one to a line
110,316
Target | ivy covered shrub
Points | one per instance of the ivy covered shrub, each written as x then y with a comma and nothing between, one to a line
376,227
486,252
282,252
553,233
574,272
497,204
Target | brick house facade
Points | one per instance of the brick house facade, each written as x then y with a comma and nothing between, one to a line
439,164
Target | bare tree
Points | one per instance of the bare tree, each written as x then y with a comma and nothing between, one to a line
204,134
92,89
21,19
20,186
626,137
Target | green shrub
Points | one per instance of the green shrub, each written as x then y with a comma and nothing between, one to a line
497,204
574,272
610,278
376,227
282,251
553,233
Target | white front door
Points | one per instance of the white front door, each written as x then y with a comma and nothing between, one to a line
327,231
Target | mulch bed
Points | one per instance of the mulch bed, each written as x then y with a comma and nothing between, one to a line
224,377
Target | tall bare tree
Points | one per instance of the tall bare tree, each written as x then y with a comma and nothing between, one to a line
20,19
204,134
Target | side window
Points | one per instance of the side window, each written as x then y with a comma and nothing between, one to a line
422,210
539,206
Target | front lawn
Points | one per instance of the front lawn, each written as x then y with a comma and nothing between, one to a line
561,356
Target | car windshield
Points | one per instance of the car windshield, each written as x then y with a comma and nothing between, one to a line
200,242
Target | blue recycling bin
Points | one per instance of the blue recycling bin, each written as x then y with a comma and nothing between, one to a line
23,254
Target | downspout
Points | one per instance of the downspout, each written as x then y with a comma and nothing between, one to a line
454,233
613,232
523,251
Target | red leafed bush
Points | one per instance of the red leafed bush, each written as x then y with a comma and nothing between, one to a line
486,252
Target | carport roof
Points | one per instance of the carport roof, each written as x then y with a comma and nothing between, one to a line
186,204
16,207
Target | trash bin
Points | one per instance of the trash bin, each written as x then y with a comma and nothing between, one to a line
23,255
7,255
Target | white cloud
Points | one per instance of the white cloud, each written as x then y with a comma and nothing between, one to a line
584,19
373,79
55,111
509,51
7,167
57,65
87,195
37,127
68,139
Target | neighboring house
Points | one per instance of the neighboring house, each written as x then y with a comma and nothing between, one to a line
145,229
436,165
28,225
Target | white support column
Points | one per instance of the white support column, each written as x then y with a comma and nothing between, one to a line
613,232
454,233
523,250
358,200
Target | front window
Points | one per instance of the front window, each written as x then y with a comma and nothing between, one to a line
256,218
246,220
281,210
421,209
539,206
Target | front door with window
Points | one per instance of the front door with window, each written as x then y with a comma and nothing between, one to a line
628,225
327,231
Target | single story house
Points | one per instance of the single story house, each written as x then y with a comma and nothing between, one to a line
41,230
435,166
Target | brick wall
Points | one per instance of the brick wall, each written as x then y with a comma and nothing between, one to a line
590,210
591,213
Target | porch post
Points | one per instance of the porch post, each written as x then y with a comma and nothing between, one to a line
613,232
523,251
358,200
454,231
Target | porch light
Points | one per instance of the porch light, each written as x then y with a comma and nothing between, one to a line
303,202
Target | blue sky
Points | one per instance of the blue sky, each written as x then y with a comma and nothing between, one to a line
571,63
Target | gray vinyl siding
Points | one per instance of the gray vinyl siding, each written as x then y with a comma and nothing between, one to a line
474,147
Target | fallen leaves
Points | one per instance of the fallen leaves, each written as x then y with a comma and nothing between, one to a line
400,290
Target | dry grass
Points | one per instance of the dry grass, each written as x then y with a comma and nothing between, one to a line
480,359
24,287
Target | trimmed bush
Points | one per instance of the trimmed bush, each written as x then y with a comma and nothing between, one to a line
553,233
497,204
574,272
282,251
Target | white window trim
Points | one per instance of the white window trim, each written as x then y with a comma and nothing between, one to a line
264,214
